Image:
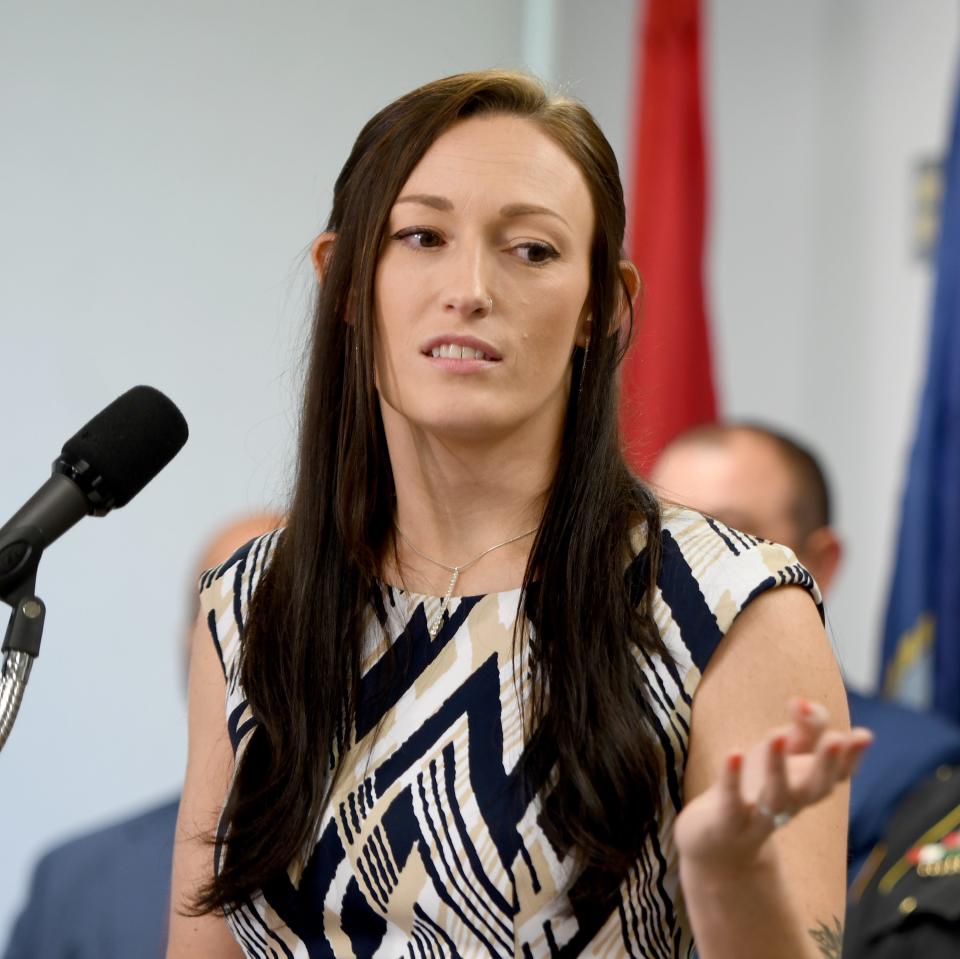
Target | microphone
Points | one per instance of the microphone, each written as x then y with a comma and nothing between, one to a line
100,468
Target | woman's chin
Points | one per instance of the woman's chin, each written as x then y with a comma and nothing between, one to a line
466,427
473,421
468,430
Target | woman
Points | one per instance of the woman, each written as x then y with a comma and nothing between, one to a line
407,766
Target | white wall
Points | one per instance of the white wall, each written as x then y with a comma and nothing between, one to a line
163,168
816,113
819,111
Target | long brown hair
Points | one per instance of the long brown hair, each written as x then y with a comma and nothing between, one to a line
592,752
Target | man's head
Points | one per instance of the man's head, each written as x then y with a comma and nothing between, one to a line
758,481
222,544
225,541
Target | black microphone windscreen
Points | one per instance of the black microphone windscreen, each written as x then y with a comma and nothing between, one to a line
130,441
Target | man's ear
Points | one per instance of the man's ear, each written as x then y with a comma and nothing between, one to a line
320,251
822,554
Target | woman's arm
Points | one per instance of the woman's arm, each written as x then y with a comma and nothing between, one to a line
753,890
209,767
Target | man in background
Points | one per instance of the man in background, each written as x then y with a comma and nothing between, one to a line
106,894
762,482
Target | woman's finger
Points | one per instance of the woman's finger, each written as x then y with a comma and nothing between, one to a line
775,794
834,761
730,781
809,721
825,770
859,740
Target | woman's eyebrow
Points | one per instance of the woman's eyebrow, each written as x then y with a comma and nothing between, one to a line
525,209
426,199
510,210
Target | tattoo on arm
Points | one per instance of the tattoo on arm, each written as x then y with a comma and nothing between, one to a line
829,939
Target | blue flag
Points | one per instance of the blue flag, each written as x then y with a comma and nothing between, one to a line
921,643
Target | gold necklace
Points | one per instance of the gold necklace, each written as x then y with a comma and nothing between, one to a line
434,626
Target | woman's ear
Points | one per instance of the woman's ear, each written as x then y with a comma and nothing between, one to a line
320,251
585,326
633,286
628,295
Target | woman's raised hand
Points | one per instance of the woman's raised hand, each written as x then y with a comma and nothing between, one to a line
757,790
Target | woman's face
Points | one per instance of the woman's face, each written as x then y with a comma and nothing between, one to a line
481,288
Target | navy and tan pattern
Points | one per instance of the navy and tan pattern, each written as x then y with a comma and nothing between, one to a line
431,845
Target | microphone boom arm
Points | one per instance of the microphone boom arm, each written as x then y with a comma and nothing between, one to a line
21,643
20,647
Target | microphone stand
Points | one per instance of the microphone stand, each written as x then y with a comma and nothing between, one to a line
19,559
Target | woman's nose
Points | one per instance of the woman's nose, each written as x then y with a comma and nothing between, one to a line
468,292
470,305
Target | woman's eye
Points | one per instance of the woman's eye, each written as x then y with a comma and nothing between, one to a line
420,238
536,253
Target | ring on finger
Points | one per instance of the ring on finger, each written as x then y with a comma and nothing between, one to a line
777,819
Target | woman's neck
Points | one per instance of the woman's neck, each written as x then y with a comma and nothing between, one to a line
457,499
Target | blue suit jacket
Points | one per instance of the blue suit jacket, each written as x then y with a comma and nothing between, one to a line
104,895
907,747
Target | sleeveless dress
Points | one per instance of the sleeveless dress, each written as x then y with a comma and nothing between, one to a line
430,847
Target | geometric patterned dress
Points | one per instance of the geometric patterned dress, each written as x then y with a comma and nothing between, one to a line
431,846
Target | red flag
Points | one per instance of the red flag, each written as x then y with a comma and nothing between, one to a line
667,383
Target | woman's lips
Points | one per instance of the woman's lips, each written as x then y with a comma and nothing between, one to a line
460,349
451,351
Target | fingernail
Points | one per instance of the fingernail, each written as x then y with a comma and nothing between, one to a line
735,761
806,708
780,744
819,711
